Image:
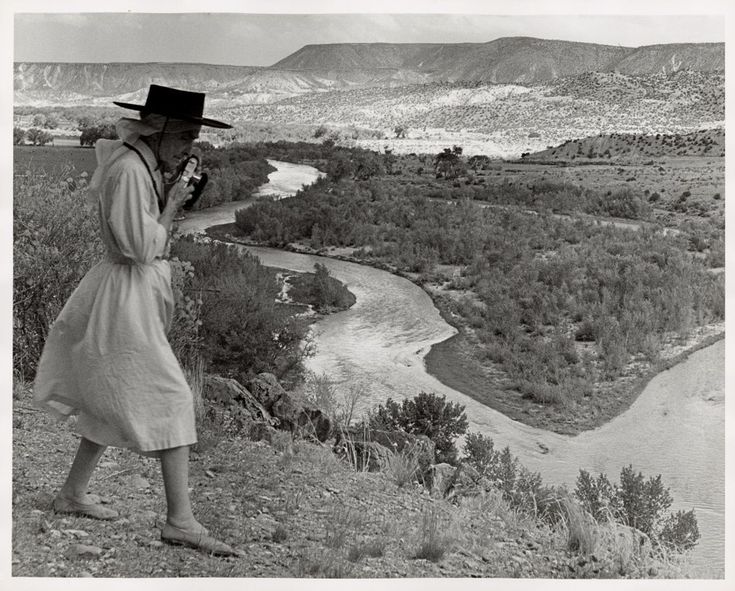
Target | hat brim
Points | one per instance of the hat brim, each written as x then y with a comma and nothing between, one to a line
201,120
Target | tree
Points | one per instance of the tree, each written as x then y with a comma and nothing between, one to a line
84,122
449,163
19,136
203,146
340,166
51,122
368,164
38,137
389,159
479,162
91,134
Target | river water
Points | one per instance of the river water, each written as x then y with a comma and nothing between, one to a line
676,427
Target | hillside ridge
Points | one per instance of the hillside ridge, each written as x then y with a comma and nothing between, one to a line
514,60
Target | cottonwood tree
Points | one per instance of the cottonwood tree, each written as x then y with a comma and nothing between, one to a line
449,163
479,162
38,137
91,134
19,136
400,131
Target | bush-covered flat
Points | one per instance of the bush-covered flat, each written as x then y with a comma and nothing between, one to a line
54,160
562,318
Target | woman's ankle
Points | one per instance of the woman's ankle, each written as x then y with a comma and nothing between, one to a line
71,494
185,523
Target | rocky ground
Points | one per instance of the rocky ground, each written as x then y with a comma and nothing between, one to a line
292,507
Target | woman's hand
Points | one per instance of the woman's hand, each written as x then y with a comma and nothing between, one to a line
177,196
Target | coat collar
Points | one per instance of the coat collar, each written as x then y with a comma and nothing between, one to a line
147,154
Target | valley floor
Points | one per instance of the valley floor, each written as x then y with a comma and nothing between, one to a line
455,363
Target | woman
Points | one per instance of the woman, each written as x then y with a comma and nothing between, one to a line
107,358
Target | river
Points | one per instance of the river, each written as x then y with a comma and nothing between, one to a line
676,427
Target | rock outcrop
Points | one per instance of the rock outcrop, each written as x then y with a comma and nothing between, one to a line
267,406
292,415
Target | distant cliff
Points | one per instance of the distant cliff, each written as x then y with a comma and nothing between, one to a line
506,60
116,79
510,60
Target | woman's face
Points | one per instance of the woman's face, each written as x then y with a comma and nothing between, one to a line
175,146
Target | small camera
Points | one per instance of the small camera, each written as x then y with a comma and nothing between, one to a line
191,179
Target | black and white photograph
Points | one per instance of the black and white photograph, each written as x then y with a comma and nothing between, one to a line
393,294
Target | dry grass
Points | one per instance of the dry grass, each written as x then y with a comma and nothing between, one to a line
401,467
434,543
342,523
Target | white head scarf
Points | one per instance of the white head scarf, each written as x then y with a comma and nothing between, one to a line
129,130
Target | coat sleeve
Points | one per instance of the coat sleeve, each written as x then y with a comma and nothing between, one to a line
133,218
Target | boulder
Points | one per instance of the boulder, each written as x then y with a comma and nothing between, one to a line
366,455
261,432
292,415
229,391
266,389
442,476
633,541
465,481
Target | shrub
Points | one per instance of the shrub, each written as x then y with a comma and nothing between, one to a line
55,242
243,331
680,531
328,293
522,489
639,503
426,414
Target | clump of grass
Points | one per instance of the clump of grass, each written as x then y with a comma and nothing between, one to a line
280,534
194,373
356,455
372,549
434,544
21,387
293,502
283,442
319,456
581,528
401,467
328,565
342,523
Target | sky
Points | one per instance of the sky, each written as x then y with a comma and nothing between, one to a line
252,39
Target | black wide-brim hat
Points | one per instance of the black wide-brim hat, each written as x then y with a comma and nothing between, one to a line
176,104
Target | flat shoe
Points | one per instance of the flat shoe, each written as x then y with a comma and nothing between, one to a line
199,540
93,510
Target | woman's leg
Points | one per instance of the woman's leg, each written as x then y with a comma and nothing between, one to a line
181,526
77,482
175,469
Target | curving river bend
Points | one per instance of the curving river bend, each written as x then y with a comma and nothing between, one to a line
675,428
